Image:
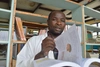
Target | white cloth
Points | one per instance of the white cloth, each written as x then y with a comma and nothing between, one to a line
26,56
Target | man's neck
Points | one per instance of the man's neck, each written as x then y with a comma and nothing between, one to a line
51,35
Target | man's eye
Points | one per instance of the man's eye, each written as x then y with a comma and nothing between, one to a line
62,20
53,19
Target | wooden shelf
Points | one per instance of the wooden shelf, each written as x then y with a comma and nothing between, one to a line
26,16
92,43
70,22
4,29
2,58
19,42
37,18
91,12
93,21
3,42
5,13
34,25
92,28
64,4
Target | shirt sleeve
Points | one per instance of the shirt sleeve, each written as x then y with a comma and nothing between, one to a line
26,56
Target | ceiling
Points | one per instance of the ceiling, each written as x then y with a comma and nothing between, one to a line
38,8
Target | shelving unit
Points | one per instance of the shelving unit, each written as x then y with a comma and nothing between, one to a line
78,13
8,15
95,14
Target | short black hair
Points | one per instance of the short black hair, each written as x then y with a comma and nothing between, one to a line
52,12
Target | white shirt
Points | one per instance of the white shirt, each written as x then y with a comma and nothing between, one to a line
26,56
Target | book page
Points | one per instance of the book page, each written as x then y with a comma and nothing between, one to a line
69,37
45,62
66,64
87,62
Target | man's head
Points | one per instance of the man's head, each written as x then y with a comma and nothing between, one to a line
56,22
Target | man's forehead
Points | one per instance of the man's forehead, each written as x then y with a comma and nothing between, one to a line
58,14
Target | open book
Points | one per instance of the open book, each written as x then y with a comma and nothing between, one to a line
19,29
45,62
69,52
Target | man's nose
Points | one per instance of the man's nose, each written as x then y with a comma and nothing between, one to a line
59,22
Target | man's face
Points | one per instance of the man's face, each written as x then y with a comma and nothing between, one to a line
56,23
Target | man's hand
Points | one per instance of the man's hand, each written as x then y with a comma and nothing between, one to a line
47,45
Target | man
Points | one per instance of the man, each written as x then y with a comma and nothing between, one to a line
39,46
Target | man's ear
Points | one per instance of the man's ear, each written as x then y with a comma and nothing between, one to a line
47,22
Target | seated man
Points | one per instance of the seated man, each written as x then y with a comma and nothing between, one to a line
39,46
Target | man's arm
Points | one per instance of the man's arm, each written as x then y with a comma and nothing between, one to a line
26,56
39,55
47,45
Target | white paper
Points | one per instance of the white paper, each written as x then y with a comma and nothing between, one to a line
69,37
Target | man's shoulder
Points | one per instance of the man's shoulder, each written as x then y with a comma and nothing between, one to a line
38,37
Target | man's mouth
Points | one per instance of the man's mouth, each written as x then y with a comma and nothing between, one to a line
58,29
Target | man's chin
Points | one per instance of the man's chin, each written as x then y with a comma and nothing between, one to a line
58,33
